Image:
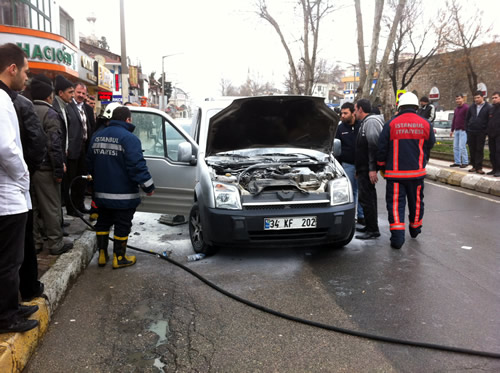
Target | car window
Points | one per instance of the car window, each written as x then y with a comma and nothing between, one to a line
149,129
442,124
152,129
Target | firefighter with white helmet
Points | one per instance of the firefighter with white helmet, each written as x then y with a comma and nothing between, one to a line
403,151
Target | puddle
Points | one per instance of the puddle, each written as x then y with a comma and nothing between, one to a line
161,329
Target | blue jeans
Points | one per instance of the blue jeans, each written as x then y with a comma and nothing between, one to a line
460,148
350,170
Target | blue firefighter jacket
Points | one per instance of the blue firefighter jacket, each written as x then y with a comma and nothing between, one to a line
116,163
404,146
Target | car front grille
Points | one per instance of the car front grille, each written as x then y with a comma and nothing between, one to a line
283,207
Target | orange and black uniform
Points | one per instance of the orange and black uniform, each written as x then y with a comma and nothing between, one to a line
403,150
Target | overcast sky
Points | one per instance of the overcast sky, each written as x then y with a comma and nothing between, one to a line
225,38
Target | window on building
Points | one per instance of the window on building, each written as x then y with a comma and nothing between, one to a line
67,26
34,14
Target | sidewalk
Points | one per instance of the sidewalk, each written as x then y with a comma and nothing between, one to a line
58,272
441,171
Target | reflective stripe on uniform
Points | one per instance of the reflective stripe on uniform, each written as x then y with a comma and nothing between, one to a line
117,196
103,145
102,233
405,174
120,238
148,183
395,205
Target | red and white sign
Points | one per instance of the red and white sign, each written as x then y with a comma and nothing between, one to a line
434,94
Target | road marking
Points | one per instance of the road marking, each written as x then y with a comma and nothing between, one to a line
467,247
461,191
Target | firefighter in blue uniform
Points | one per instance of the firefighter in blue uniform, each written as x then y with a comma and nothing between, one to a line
118,168
403,151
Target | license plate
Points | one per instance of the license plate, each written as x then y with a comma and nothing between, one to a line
297,222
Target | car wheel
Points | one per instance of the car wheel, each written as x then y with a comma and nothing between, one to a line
342,243
196,232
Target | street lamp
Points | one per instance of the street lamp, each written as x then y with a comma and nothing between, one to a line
353,65
162,104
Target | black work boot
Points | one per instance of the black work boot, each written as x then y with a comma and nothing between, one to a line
102,245
119,258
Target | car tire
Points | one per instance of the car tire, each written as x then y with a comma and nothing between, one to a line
196,232
341,244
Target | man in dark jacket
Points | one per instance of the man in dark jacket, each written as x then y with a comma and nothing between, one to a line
347,132
403,150
47,180
426,110
118,168
34,142
477,124
494,134
366,166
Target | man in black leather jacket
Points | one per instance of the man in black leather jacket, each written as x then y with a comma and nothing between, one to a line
34,142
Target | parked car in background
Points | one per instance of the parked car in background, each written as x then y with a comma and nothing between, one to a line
442,128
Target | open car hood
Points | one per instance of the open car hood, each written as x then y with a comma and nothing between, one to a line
273,121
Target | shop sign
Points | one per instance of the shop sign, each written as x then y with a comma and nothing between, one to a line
104,96
86,69
46,50
105,78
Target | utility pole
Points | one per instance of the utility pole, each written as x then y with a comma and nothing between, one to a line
124,59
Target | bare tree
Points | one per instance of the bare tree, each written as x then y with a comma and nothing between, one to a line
313,11
366,84
463,32
409,55
226,88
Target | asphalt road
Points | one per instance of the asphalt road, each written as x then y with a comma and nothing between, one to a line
441,288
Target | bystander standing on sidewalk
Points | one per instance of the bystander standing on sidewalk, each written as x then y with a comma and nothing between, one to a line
47,181
15,199
494,134
476,125
459,134
34,141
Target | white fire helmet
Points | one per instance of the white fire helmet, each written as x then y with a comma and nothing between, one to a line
108,112
408,99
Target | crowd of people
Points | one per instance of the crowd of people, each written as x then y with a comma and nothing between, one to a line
49,144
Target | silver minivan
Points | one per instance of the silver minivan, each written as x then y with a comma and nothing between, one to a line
253,171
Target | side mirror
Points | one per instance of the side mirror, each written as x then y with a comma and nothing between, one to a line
185,153
337,148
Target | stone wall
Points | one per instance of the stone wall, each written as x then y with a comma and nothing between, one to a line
447,72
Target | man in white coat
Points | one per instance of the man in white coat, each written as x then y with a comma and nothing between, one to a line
14,193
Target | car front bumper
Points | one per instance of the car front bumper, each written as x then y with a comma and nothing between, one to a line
246,227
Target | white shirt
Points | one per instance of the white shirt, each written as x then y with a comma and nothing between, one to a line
14,174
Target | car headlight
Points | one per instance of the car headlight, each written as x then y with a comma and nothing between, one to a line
226,196
340,191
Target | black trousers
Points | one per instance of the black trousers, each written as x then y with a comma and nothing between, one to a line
494,145
28,273
120,218
75,167
476,141
367,197
12,230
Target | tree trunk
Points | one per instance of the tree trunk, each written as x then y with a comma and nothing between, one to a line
379,6
361,45
388,47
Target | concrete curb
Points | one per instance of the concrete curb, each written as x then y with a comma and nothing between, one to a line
16,348
479,183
